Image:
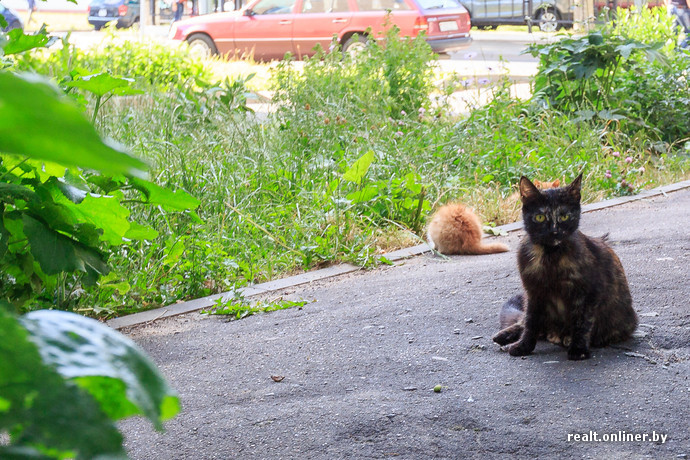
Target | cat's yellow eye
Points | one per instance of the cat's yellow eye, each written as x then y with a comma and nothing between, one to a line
539,218
563,218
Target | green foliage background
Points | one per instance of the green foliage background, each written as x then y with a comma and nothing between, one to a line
360,150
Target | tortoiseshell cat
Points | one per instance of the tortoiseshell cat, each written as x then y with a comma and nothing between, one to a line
576,293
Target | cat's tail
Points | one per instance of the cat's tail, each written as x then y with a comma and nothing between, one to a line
487,248
510,320
512,311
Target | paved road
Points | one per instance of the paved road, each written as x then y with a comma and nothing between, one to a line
361,359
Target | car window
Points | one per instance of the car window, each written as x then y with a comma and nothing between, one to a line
325,6
274,7
438,4
378,5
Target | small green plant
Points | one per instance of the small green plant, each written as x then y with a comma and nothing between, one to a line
241,308
102,87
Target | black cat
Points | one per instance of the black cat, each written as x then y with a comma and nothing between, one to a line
576,293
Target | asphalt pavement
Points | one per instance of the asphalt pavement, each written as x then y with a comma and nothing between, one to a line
360,361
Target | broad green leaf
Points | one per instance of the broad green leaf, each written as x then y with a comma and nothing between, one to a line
107,213
177,200
101,84
609,115
596,38
359,168
42,409
4,234
137,231
102,211
626,49
116,372
57,253
362,196
4,405
19,42
59,132
11,192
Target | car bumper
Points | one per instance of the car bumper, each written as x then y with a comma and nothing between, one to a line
449,45
103,20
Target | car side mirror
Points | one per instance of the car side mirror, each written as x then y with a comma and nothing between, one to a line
249,12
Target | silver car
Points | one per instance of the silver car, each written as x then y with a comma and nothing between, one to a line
549,15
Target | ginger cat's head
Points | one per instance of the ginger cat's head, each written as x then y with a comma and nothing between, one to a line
547,185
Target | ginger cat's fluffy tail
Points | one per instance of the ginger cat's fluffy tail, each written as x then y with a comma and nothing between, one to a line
455,229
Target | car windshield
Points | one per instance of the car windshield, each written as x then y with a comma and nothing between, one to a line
438,4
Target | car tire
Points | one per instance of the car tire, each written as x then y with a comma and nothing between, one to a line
355,44
201,45
547,19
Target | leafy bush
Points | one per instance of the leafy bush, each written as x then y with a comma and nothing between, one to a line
396,73
149,62
64,379
580,73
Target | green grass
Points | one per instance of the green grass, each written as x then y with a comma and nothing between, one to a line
349,165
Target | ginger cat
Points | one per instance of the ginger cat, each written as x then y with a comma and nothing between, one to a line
455,229
514,198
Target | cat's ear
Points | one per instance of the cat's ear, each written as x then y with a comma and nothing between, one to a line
528,192
556,183
575,187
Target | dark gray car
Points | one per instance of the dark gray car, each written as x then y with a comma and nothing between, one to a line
12,19
125,12
549,15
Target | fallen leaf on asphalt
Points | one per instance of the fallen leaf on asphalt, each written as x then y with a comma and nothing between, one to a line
277,378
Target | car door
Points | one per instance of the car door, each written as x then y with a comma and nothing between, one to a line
266,29
494,9
317,22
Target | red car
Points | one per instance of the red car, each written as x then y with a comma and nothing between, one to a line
270,28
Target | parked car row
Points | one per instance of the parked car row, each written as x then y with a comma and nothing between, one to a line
270,28
549,15
125,12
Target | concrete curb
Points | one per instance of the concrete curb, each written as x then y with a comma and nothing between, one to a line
304,278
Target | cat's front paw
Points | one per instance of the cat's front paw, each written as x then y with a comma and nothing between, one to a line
519,349
578,354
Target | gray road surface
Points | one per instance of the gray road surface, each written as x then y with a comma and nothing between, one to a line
360,361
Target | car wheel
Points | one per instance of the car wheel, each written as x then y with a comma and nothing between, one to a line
97,26
355,44
201,45
548,20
